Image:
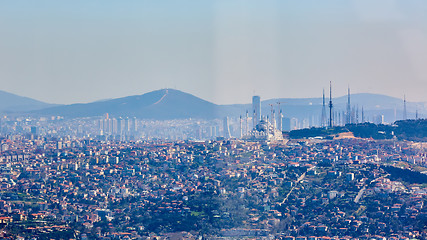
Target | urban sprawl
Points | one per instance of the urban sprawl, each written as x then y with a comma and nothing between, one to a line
58,182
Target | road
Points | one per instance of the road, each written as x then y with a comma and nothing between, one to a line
300,178
360,193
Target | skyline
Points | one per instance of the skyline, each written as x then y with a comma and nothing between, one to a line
248,101
224,52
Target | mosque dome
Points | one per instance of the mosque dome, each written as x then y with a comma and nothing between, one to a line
262,126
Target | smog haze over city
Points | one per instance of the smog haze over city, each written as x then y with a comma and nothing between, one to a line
221,51
222,120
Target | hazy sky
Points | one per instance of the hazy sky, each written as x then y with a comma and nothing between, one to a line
222,51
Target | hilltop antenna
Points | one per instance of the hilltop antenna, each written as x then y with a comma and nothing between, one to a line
330,104
323,119
357,114
348,117
404,107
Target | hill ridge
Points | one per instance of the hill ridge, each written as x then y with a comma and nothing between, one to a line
170,103
10,102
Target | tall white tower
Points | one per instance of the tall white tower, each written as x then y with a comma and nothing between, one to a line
226,128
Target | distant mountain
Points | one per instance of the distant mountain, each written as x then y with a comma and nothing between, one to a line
13,103
174,104
161,104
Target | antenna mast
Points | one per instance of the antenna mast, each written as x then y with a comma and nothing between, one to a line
404,107
323,120
330,104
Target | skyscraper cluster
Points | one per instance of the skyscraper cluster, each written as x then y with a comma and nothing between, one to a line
120,129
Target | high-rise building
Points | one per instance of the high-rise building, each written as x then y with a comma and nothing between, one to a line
294,124
107,126
135,125
286,124
114,124
80,130
101,126
34,130
256,107
127,126
120,126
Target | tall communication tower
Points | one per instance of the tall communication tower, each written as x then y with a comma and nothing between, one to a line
404,108
348,114
357,115
323,119
330,104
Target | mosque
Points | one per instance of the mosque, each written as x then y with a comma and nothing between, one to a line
263,129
